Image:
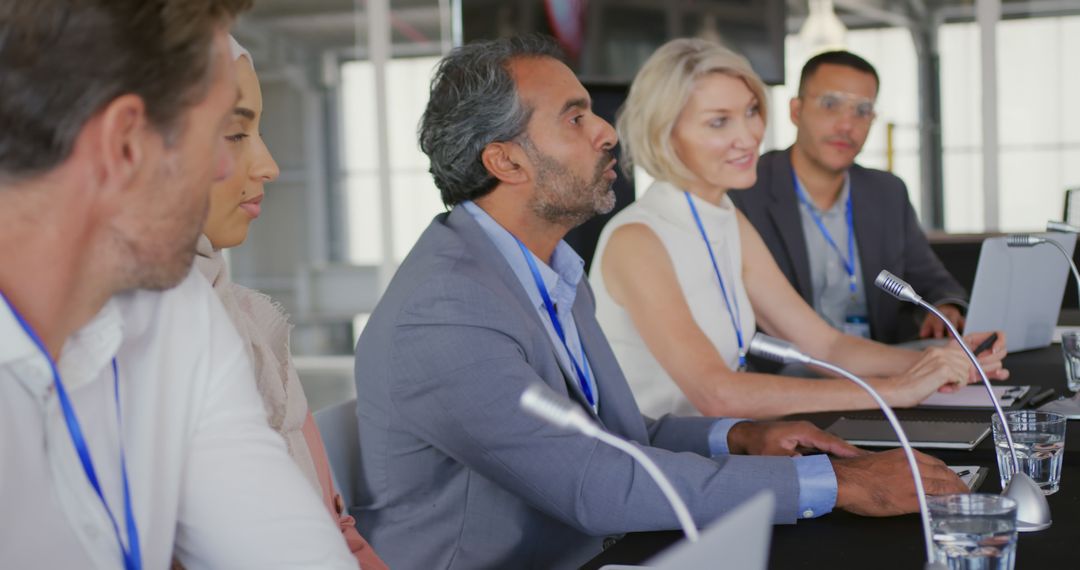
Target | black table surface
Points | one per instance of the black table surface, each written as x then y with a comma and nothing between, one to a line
842,540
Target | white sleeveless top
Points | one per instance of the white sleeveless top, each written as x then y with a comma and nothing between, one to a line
664,210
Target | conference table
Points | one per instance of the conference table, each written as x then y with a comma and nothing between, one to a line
843,540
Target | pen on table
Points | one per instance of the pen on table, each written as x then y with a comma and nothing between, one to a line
963,473
1041,397
986,344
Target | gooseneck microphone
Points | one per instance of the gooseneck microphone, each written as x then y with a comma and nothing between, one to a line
1028,240
1032,510
1068,406
777,350
1061,227
545,404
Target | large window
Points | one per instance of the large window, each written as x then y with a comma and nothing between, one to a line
414,196
1039,129
1039,123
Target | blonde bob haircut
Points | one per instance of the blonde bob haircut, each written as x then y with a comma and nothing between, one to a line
657,96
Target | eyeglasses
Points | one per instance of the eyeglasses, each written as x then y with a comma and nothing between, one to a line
836,103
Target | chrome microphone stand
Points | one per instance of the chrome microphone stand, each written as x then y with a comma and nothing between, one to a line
1032,510
785,353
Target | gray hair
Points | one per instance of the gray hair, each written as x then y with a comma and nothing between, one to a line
473,103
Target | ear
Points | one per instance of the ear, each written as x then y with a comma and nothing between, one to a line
124,135
505,160
795,110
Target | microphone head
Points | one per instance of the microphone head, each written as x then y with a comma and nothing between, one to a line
896,287
776,350
1061,227
1023,240
542,403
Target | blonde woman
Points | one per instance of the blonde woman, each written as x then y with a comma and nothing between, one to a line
682,280
234,203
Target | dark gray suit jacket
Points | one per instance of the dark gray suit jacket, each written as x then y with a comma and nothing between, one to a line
455,475
886,230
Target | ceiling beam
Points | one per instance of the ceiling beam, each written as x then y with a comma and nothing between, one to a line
347,21
865,10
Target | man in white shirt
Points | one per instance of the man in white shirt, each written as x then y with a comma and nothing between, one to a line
130,428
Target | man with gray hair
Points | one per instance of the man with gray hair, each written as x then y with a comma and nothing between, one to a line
130,428
491,301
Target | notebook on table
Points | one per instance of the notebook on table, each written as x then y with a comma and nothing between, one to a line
927,434
974,396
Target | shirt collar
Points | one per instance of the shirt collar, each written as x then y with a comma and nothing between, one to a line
669,202
84,353
561,277
15,344
92,347
838,207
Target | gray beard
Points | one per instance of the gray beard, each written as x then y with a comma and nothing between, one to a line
565,199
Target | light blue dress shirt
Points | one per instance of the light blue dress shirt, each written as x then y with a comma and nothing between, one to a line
817,481
829,280
561,279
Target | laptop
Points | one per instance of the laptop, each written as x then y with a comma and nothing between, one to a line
1019,290
740,539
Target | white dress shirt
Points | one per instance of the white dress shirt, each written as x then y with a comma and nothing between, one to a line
210,481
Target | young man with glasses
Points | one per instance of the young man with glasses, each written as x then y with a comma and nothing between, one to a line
831,224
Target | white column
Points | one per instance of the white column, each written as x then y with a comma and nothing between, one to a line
378,20
318,218
987,15
456,34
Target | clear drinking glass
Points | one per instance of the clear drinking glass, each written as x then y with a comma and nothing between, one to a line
1070,349
973,531
1039,438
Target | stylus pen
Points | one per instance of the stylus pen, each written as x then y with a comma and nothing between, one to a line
1041,397
986,344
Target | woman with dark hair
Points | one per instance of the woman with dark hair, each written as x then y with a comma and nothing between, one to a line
234,203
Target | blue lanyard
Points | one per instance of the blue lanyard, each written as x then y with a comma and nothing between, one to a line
849,261
735,315
132,555
582,372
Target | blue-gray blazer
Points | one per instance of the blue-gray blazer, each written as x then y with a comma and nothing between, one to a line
455,475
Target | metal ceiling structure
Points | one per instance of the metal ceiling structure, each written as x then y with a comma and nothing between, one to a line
341,24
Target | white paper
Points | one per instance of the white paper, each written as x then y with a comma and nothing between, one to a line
970,473
975,396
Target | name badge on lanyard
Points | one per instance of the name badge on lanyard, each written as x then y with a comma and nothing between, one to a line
856,321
